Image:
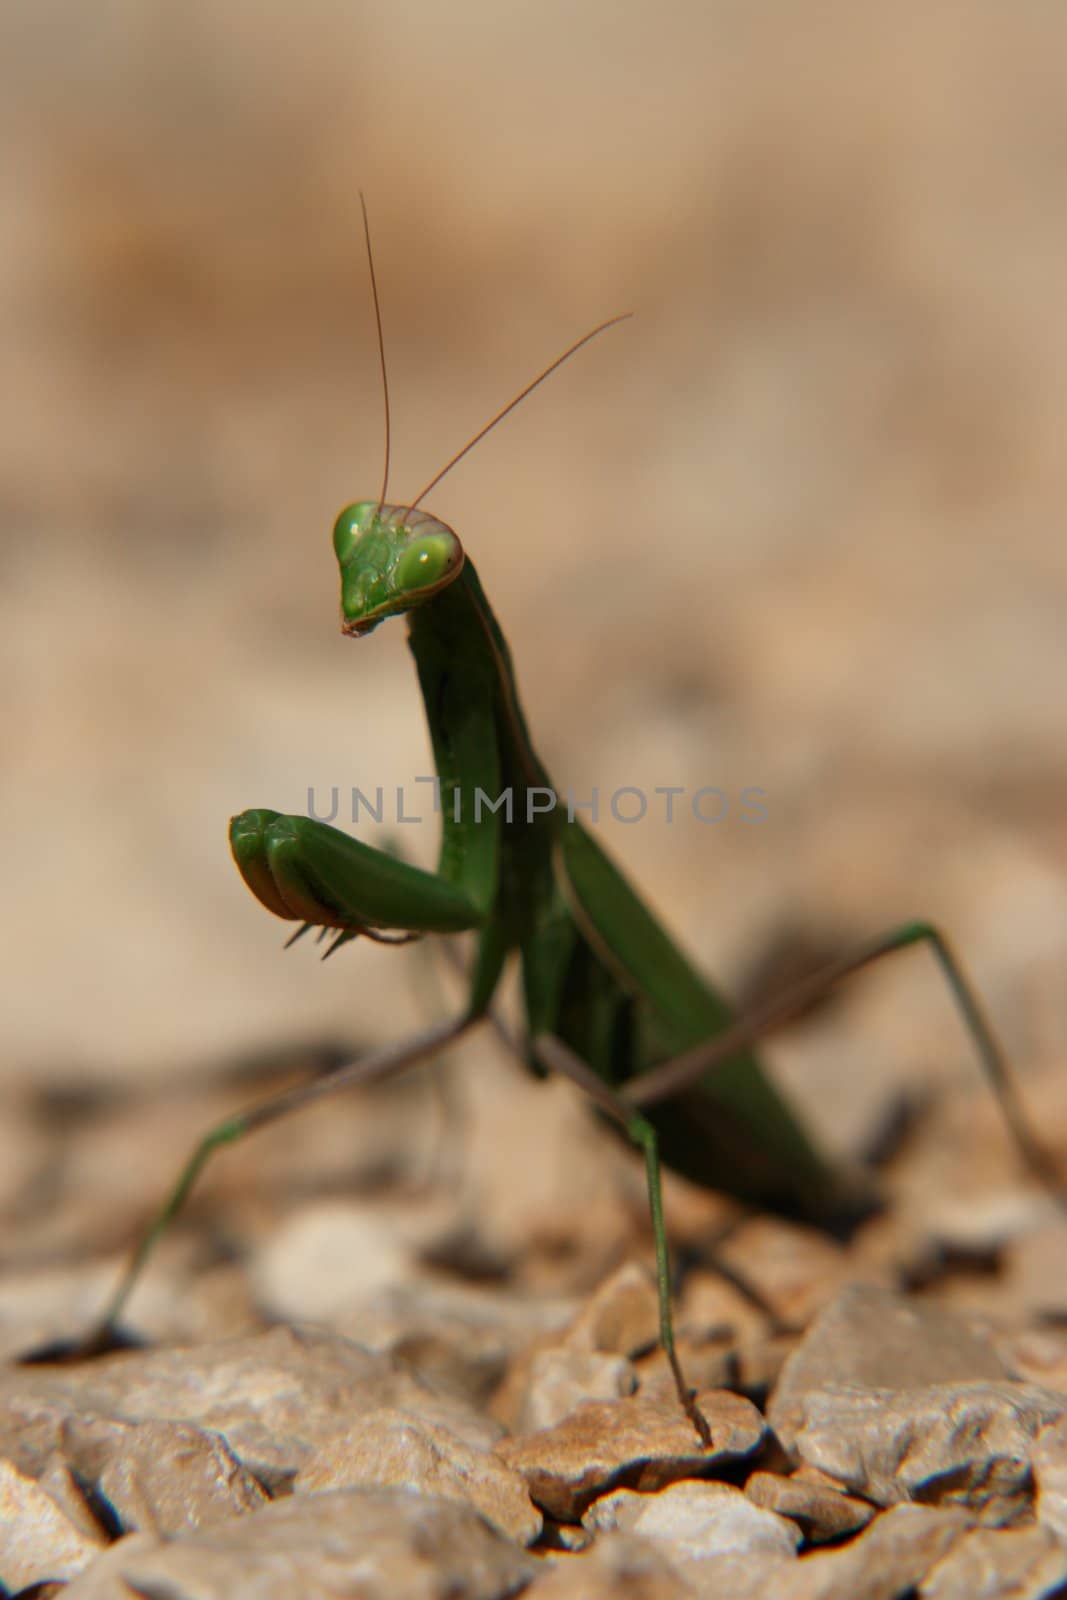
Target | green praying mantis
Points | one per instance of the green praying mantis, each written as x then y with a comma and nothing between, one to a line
609,998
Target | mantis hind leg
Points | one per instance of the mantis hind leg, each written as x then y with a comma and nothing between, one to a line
687,1069
373,1068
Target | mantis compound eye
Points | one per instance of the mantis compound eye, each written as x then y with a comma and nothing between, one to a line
350,527
425,561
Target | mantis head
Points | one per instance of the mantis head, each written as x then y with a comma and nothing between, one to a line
391,559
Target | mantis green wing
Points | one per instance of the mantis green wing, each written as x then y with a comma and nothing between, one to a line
731,1129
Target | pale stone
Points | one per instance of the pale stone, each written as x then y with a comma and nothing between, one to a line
375,1543
71,1495
621,1316
711,1307
165,1477
705,1365
693,1522
1005,1564
296,1273
1048,1458
820,1510
1036,1355
885,1562
392,1447
759,1362
157,1475
275,1397
39,1540
634,1443
951,1444
793,1270
568,1536
464,1338
872,1338
619,1566
1037,1271
558,1380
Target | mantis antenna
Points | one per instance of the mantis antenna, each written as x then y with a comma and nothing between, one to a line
529,389
500,415
381,350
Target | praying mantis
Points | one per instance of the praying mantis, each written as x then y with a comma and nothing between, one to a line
609,999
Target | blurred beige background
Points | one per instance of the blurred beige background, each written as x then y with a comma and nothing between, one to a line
797,525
